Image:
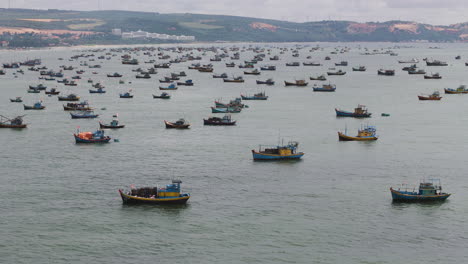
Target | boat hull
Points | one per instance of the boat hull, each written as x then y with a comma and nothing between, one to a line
91,141
344,137
426,98
12,126
110,127
212,123
141,200
264,156
406,197
173,125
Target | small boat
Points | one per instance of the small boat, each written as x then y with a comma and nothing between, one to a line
458,57
220,76
71,83
257,96
172,86
230,65
460,90
238,79
153,195
98,91
52,91
413,60
433,97
433,76
360,111
311,64
180,124
359,68
366,133
226,110
384,114
16,122
268,68
16,100
36,106
267,82
91,137
33,91
236,103
386,72
126,95
186,83
339,72
436,63
324,88
217,121
294,64
254,72
143,76
327,58
83,114
114,124
114,75
70,97
296,83
415,71
429,191
318,78
342,63
39,87
163,95
410,68
288,151
81,106
205,69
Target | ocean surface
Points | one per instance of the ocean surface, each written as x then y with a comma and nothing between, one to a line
59,200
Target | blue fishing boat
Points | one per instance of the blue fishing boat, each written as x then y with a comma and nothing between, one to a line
91,137
98,90
171,194
186,83
288,151
429,191
36,106
226,110
257,96
171,86
83,114
325,88
360,111
126,95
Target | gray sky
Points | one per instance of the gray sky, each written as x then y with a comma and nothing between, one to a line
441,12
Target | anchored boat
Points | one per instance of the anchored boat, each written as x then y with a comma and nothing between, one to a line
153,195
360,111
429,191
91,137
288,151
366,133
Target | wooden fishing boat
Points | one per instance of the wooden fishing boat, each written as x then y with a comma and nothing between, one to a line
433,97
71,83
114,75
436,63
283,152
220,76
254,72
36,106
39,87
16,100
238,79
114,124
325,88
339,72
386,72
33,91
163,95
360,111
460,90
153,195
91,137
410,68
83,115
342,63
205,69
415,71
70,97
268,68
433,76
293,64
226,110
217,121
296,83
81,106
267,82
257,96
98,91
143,76
311,64
318,78
366,133
172,86
180,124
16,122
186,83
360,68
429,191
52,91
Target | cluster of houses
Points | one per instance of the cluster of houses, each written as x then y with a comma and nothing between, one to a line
144,34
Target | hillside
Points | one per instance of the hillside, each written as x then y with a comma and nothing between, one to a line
90,27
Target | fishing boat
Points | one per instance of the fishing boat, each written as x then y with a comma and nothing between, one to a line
166,80
83,115
226,110
143,76
171,86
318,78
114,124
410,68
39,87
253,72
153,195
52,91
359,68
311,64
429,191
186,83
436,63
230,65
180,124
282,152
268,68
435,96
267,82
126,95
16,100
114,75
460,90
339,72
163,95
433,76
386,72
296,83
70,97
413,60
98,91
257,96
220,76
342,63
205,69
36,106
91,137
33,91
218,121
294,64
16,122
360,111
324,88
366,133
415,71
238,79
71,83
81,106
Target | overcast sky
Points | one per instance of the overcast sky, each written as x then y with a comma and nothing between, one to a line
443,12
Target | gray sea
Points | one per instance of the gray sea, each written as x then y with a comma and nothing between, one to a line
59,200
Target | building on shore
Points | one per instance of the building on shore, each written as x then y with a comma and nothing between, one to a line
143,34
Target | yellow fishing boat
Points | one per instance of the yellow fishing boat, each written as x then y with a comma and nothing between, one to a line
367,133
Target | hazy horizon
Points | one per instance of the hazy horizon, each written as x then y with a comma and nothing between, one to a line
422,11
